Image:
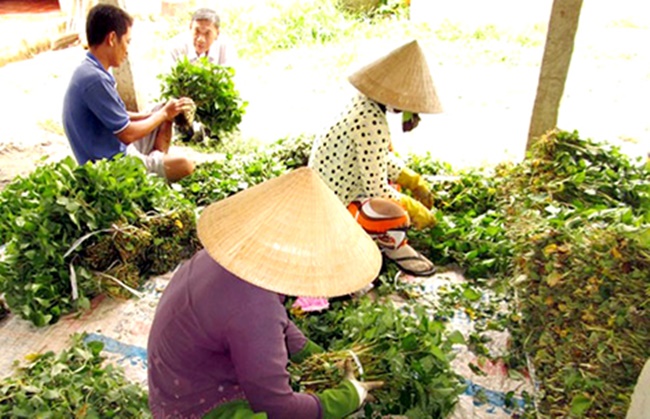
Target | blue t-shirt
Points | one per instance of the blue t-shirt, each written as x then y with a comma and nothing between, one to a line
93,113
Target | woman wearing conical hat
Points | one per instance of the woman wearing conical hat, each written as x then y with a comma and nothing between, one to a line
221,339
356,161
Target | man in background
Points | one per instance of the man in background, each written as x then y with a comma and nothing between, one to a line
203,40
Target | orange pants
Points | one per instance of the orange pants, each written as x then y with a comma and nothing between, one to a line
383,219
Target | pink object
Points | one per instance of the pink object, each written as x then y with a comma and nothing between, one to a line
311,304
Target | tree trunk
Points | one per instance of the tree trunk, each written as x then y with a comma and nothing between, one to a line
562,29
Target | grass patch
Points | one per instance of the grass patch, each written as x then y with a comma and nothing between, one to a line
50,125
626,24
259,28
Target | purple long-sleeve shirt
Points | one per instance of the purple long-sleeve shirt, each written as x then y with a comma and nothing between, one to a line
216,338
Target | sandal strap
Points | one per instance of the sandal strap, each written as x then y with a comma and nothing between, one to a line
406,258
426,272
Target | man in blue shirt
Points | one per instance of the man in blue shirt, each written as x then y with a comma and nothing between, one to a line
95,118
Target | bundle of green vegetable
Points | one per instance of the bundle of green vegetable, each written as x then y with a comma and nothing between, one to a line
71,384
42,274
211,87
174,239
401,345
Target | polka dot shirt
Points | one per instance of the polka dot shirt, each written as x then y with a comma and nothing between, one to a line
354,156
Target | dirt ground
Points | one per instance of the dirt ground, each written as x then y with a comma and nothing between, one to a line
487,102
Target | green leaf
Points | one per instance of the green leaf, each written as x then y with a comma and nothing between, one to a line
51,394
456,337
95,347
471,294
409,342
438,353
580,404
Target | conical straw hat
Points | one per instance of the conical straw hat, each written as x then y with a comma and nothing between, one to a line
401,79
291,235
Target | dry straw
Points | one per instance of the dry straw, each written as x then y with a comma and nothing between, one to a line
400,79
290,235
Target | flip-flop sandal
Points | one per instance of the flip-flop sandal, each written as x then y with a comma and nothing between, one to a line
427,272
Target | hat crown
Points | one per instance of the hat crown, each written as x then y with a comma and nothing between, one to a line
400,79
290,235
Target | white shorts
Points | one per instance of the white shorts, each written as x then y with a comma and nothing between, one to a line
154,161
143,149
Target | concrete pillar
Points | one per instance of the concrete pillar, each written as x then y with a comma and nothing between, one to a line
640,404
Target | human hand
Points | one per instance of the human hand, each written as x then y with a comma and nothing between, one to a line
423,194
410,121
420,188
363,388
421,217
175,106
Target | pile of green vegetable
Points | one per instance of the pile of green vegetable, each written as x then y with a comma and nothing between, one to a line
216,180
292,151
561,240
402,346
571,224
71,384
211,86
579,219
129,225
471,231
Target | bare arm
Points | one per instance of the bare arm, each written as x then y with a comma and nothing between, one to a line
138,116
139,128
143,124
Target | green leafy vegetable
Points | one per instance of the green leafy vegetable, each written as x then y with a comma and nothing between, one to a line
42,275
73,383
211,87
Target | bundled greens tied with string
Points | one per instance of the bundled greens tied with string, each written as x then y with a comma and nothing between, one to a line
402,346
75,231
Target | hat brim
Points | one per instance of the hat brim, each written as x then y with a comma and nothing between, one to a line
291,235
